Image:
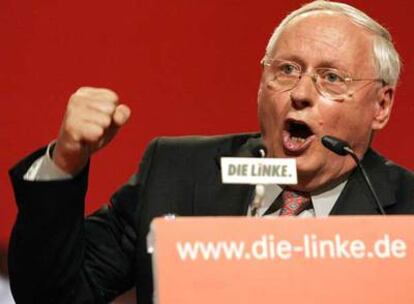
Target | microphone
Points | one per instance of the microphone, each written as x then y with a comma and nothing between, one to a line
336,145
342,148
258,150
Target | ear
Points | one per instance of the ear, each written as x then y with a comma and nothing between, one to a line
383,106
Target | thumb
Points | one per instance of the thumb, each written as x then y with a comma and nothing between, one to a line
121,115
119,118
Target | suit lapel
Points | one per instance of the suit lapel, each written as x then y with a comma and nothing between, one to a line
216,198
356,197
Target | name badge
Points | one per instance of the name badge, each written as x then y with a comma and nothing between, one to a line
249,170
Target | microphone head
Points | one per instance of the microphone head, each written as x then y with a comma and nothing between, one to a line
259,150
336,145
255,148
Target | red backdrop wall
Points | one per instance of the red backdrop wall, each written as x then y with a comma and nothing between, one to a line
184,67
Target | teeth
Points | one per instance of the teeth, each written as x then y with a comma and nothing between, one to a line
299,139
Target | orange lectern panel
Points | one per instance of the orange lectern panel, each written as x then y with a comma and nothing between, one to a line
284,260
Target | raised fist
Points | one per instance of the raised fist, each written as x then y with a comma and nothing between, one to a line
93,117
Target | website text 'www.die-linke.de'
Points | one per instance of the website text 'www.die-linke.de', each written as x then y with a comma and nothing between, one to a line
269,247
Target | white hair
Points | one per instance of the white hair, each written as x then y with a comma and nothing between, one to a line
386,58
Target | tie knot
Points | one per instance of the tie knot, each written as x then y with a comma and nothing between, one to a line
294,202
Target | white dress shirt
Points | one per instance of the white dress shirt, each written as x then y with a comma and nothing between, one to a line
5,293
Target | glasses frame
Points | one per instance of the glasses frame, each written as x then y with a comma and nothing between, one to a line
265,62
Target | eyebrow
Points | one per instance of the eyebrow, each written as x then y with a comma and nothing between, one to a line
333,64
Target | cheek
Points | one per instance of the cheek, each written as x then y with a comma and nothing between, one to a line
271,111
347,121
327,117
266,109
331,120
271,105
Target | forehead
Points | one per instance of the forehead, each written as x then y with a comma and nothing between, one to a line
326,38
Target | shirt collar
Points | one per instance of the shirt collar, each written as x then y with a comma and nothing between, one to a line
322,202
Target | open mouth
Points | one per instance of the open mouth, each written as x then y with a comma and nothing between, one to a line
297,136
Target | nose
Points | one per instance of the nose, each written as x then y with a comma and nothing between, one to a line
304,93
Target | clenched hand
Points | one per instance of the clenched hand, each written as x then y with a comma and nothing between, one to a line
93,117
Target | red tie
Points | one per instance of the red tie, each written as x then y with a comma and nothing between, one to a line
294,202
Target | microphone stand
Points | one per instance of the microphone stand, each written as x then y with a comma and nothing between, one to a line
342,148
259,189
366,178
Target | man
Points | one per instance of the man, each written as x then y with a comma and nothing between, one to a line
328,70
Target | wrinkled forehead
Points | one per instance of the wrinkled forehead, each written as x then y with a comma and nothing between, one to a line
323,36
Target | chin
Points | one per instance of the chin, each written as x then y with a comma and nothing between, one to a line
310,161
308,172
312,171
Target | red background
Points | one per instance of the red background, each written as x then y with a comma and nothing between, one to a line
184,67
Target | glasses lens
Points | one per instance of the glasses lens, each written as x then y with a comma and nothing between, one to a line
283,75
332,83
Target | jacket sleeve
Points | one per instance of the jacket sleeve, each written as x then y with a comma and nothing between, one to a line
58,256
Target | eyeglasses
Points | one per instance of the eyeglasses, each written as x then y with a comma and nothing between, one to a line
331,83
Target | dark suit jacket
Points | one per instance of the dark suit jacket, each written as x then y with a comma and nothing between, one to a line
56,256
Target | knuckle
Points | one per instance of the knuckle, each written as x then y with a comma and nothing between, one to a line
106,121
83,89
106,107
86,91
97,132
100,97
92,133
77,100
110,95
